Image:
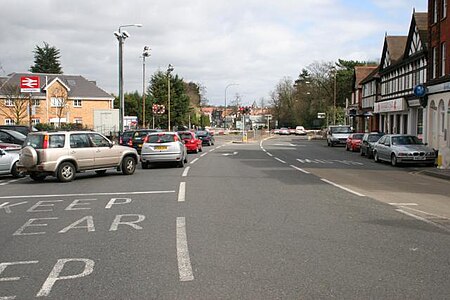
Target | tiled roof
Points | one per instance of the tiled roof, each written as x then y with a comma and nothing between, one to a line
396,47
422,24
79,86
372,75
361,72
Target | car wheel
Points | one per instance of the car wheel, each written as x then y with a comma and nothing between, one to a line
331,144
375,156
394,162
100,172
15,173
66,172
38,177
128,165
145,165
185,159
181,163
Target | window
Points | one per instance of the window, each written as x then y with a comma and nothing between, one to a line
444,9
57,102
56,141
78,120
99,141
35,121
77,103
433,62
435,11
9,102
36,102
79,141
9,122
443,52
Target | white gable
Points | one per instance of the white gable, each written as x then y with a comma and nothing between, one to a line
416,44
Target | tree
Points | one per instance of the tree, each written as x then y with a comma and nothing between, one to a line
15,104
60,99
46,60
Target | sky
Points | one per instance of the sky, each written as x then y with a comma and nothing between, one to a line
214,43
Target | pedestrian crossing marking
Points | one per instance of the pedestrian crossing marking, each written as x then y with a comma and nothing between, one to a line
332,161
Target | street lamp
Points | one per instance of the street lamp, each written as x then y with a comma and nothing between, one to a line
225,110
169,70
121,37
145,53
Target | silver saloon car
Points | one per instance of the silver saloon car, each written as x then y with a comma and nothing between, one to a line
163,147
8,163
402,148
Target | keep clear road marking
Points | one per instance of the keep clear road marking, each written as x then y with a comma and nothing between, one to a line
87,194
184,262
194,160
8,182
182,192
185,172
280,160
301,170
342,187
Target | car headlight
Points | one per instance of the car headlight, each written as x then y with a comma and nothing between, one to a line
402,154
431,154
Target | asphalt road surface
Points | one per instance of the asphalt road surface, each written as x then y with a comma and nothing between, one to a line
281,218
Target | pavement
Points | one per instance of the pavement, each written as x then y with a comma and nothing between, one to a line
438,173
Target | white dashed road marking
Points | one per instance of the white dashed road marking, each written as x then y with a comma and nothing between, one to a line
280,160
342,187
194,160
182,192
184,262
301,170
185,172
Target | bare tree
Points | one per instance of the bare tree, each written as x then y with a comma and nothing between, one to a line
15,104
60,101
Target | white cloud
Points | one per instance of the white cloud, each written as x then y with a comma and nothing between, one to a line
212,42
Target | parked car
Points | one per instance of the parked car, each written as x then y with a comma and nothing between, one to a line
9,146
354,142
125,137
191,141
11,136
8,163
206,137
338,134
300,130
291,130
163,147
284,131
23,129
64,153
368,142
403,148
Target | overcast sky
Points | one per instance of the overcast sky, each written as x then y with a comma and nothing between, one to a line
217,42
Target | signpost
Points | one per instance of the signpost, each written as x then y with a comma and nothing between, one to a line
30,84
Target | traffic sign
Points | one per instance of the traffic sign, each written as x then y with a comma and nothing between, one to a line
29,84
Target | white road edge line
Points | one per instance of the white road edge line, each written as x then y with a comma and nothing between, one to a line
270,154
212,150
184,262
87,194
280,160
426,213
342,187
182,192
422,219
403,204
185,172
300,169
194,160
203,154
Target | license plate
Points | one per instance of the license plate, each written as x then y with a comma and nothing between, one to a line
160,147
419,158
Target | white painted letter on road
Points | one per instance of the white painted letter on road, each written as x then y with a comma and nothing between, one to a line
115,201
29,223
118,220
89,224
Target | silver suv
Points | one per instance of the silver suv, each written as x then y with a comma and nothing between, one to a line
64,153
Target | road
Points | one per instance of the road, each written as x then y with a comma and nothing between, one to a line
285,218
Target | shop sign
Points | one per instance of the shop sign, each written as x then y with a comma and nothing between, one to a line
390,105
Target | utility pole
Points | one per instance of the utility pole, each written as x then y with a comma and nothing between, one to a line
145,53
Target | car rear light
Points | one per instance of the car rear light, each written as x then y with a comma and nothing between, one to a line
130,142
120,141
45,143
175,138
145,140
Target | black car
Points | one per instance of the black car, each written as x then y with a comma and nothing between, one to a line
23,129
135,138
206,137
367,143
11,136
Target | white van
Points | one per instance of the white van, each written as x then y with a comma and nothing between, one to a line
300,130
338,134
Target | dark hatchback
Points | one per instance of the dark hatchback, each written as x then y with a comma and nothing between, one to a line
206,137
367,143
135,138
23,129
11,136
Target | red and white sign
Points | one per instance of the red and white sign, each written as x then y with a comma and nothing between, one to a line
29,84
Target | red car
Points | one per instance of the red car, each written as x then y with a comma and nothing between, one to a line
191,141
354,142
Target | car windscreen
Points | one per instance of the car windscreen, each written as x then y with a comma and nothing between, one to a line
373,138
186,136
16,134
161,138
358,136
35,140
406,140
340,130
202,133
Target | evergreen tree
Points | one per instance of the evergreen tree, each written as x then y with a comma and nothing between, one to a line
46,60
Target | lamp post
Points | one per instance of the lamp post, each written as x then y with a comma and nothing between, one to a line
169,70
121,36
145,53
333,69
225,110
